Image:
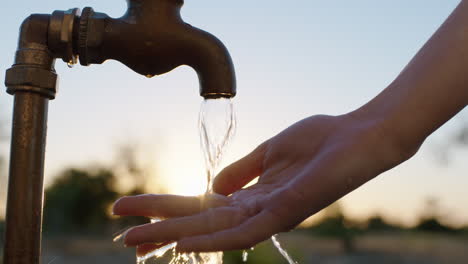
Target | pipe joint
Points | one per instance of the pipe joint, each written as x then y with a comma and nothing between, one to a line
33,70
31,79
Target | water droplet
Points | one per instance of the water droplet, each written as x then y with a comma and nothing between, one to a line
281,250
149,76
70,64
245,255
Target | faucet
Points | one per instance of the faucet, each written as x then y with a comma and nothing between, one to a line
151,39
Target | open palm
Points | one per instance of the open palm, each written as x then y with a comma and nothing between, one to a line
301,170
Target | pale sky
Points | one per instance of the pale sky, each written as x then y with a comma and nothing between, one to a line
293,59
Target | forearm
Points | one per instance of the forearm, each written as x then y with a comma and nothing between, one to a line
430,90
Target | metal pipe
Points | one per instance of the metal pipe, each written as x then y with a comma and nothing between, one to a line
25,185
32,80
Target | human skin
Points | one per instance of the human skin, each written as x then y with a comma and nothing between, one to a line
317,160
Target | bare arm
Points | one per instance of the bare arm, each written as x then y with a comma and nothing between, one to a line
431,89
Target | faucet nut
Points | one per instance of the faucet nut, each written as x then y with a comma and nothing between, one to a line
83,35
92,25
31,79
60,37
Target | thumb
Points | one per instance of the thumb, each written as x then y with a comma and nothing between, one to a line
241,172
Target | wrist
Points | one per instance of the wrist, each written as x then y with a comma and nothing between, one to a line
390,145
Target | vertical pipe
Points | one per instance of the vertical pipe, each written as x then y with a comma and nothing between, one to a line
25,186
32,80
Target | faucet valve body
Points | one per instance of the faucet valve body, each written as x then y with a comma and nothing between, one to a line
152,39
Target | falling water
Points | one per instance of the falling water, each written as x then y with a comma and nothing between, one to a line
245,256
217,125
281,250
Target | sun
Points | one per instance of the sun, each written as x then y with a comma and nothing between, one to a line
186,177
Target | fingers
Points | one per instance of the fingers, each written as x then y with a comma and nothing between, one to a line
244,236
175,228
241,172
166,206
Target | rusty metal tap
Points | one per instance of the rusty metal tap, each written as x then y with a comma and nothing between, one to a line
152,39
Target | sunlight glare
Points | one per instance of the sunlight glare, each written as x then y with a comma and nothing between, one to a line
186,179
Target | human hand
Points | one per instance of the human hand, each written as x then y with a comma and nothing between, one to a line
301,171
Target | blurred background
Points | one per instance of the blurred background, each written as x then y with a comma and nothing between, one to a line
113,132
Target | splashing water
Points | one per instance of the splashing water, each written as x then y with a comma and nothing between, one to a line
158,253
245,256
281,250
169,251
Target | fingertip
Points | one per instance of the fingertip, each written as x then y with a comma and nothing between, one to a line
231,179
220,186
129,240
234,177
119,206
238,174
135,236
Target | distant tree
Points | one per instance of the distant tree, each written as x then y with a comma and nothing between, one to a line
434,226
79,200
429,221
377,223
136,169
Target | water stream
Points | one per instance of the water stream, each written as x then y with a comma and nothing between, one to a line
281,250
217,125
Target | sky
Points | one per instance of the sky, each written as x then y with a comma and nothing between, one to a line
293,60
